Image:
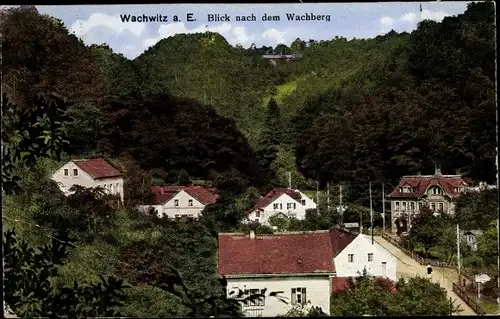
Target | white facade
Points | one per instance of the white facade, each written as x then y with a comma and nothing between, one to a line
317,289
70,174
361,254
285,206
181,205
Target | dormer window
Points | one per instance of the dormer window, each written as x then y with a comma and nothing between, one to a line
303,202
400,189
407,189
435,190
75,172
190,202
176,202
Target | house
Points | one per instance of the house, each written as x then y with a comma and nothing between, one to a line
470,237
281,202
438,192
294,267
361,254
88,173
180,201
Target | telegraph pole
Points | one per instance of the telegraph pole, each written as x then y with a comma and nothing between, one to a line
371,210
289,179
383,207
317,193
458,250
328,195
341,209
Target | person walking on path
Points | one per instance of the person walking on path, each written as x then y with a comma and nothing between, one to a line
429,271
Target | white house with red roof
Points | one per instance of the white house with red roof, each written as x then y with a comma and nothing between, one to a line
296,267
438,192
281,202
89,173
180,201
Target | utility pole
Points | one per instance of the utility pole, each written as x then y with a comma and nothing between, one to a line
289,180
383,207
458,250
371,210
340,204
328,195
317,193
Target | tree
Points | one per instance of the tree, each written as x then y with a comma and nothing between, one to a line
42,61
427,228
29,289
475,210
29,134
487,248
366,296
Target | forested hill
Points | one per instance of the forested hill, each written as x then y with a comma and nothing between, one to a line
238,83
346,111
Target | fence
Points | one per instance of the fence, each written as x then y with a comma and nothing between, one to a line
468,300
422,260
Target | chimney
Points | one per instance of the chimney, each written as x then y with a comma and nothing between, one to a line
252,234
437,170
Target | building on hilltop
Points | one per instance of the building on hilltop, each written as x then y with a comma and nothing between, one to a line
281,202
296,268
89,173
438,192
180,201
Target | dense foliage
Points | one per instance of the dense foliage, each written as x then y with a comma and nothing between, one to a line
367,296
194,109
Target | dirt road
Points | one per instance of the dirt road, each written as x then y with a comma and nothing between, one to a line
408,267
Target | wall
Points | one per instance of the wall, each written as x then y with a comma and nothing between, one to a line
170,210
318,290
66,182
299,212
360,247
85,180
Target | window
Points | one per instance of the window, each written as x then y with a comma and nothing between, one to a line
440,206
275,206
289,205
370,256
190,202
412,206
435,190
303,202
281,206
294,206
420,204
176,202
257,214
397,205
66,172
117,188
75,172
433,206
350,258
400,189
257,301
404,206
299,296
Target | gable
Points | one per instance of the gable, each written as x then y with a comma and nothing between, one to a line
59,173
183,196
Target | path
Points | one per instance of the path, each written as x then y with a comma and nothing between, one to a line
409,267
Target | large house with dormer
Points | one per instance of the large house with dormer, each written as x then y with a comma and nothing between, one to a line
180,201
438,192
95,172
281,202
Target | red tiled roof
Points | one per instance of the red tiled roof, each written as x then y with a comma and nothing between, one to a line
163,194
274,194
420,183
97,168
285,253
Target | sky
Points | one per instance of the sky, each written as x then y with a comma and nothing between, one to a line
97,24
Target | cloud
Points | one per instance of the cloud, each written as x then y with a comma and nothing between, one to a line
101,20
233,34
408,21
275,35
